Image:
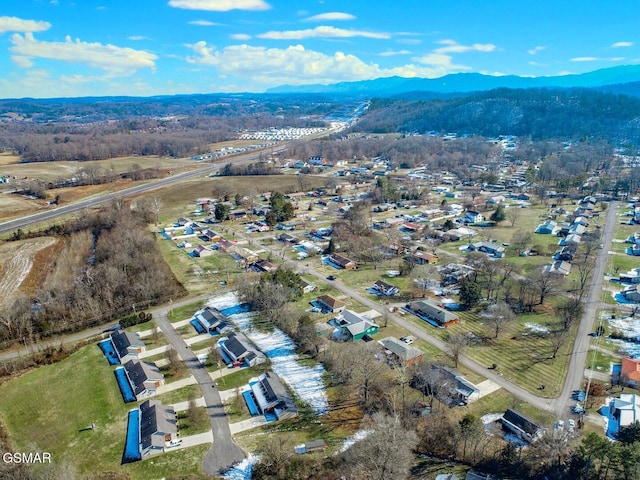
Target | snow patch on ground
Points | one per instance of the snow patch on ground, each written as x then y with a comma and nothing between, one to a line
242,470
630,328
536,328
491,417
305,381
356,437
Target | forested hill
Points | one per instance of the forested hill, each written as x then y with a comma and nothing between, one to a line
539,113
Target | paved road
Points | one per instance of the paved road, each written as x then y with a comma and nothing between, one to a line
578,361
224,452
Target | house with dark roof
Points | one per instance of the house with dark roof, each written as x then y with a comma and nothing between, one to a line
307,287
272,397
329,304
434,312
422,258
158,426
398,352
454,389
632,293
354,326
213,321
127,345
384,288
490,249
559,268
288,238
144,377
342,261
524,428
241,351
201,251
266,266
211,236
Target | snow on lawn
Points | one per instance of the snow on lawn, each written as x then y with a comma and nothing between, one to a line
305,381
356,437
536,329
242,470
630,328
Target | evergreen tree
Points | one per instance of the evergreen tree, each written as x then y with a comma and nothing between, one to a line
470,293
498,215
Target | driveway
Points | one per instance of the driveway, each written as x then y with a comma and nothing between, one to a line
224,452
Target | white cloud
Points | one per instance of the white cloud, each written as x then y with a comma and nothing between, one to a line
392,53
330,16
536,49
409,41
116,61
205,23
451,46
240,36
135,38
321,32
596,59
15,24
264,67
220,5
622,44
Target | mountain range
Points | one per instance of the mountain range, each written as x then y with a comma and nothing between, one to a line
621,79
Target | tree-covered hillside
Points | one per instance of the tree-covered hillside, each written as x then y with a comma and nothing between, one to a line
538,113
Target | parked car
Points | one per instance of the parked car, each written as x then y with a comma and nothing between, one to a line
175,442
331,277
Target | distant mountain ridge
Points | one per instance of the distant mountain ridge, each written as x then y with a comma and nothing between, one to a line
473,82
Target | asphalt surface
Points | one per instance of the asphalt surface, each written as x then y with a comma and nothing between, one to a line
224,452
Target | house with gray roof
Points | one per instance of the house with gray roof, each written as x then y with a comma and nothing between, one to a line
127,345
431,311
272,396
524,428
241,351
144,377
399,352
355,327
158,426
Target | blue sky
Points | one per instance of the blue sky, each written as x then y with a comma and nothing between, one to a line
53,48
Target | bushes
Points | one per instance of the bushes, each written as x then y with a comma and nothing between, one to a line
133,319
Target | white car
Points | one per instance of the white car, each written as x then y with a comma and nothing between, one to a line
174,443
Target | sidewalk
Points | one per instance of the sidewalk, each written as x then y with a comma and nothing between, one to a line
181,406
155,351
244,425
169,387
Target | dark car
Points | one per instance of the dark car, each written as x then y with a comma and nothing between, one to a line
331,277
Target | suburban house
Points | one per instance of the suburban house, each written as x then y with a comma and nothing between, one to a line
399,352
632,293
566,254
431,311
454,389
630,372
225,245
241,351
548,228
266,266
158,426
472,216
201,251
423,258
329,304
571,240
211,236
342,261
307,287
384,288
288,238
272,396
460,233
453,273
144,377
559,267
490,249
127,345
212,320
632,276
242,255
354,326
524,428
312,446
626,409
577,228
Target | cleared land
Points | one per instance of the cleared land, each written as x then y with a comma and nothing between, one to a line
16,260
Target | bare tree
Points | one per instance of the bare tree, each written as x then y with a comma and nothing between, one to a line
557,340
546,283
424,277
499,315
155,204
513,215
458,344
366,370
386,453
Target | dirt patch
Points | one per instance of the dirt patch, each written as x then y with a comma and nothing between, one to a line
14,206
16,260
41,266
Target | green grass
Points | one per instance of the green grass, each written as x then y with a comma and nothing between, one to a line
180,395
45,408
239,378
184,312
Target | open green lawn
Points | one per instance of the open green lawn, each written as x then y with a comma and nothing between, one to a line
522,357
184,312
47,407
